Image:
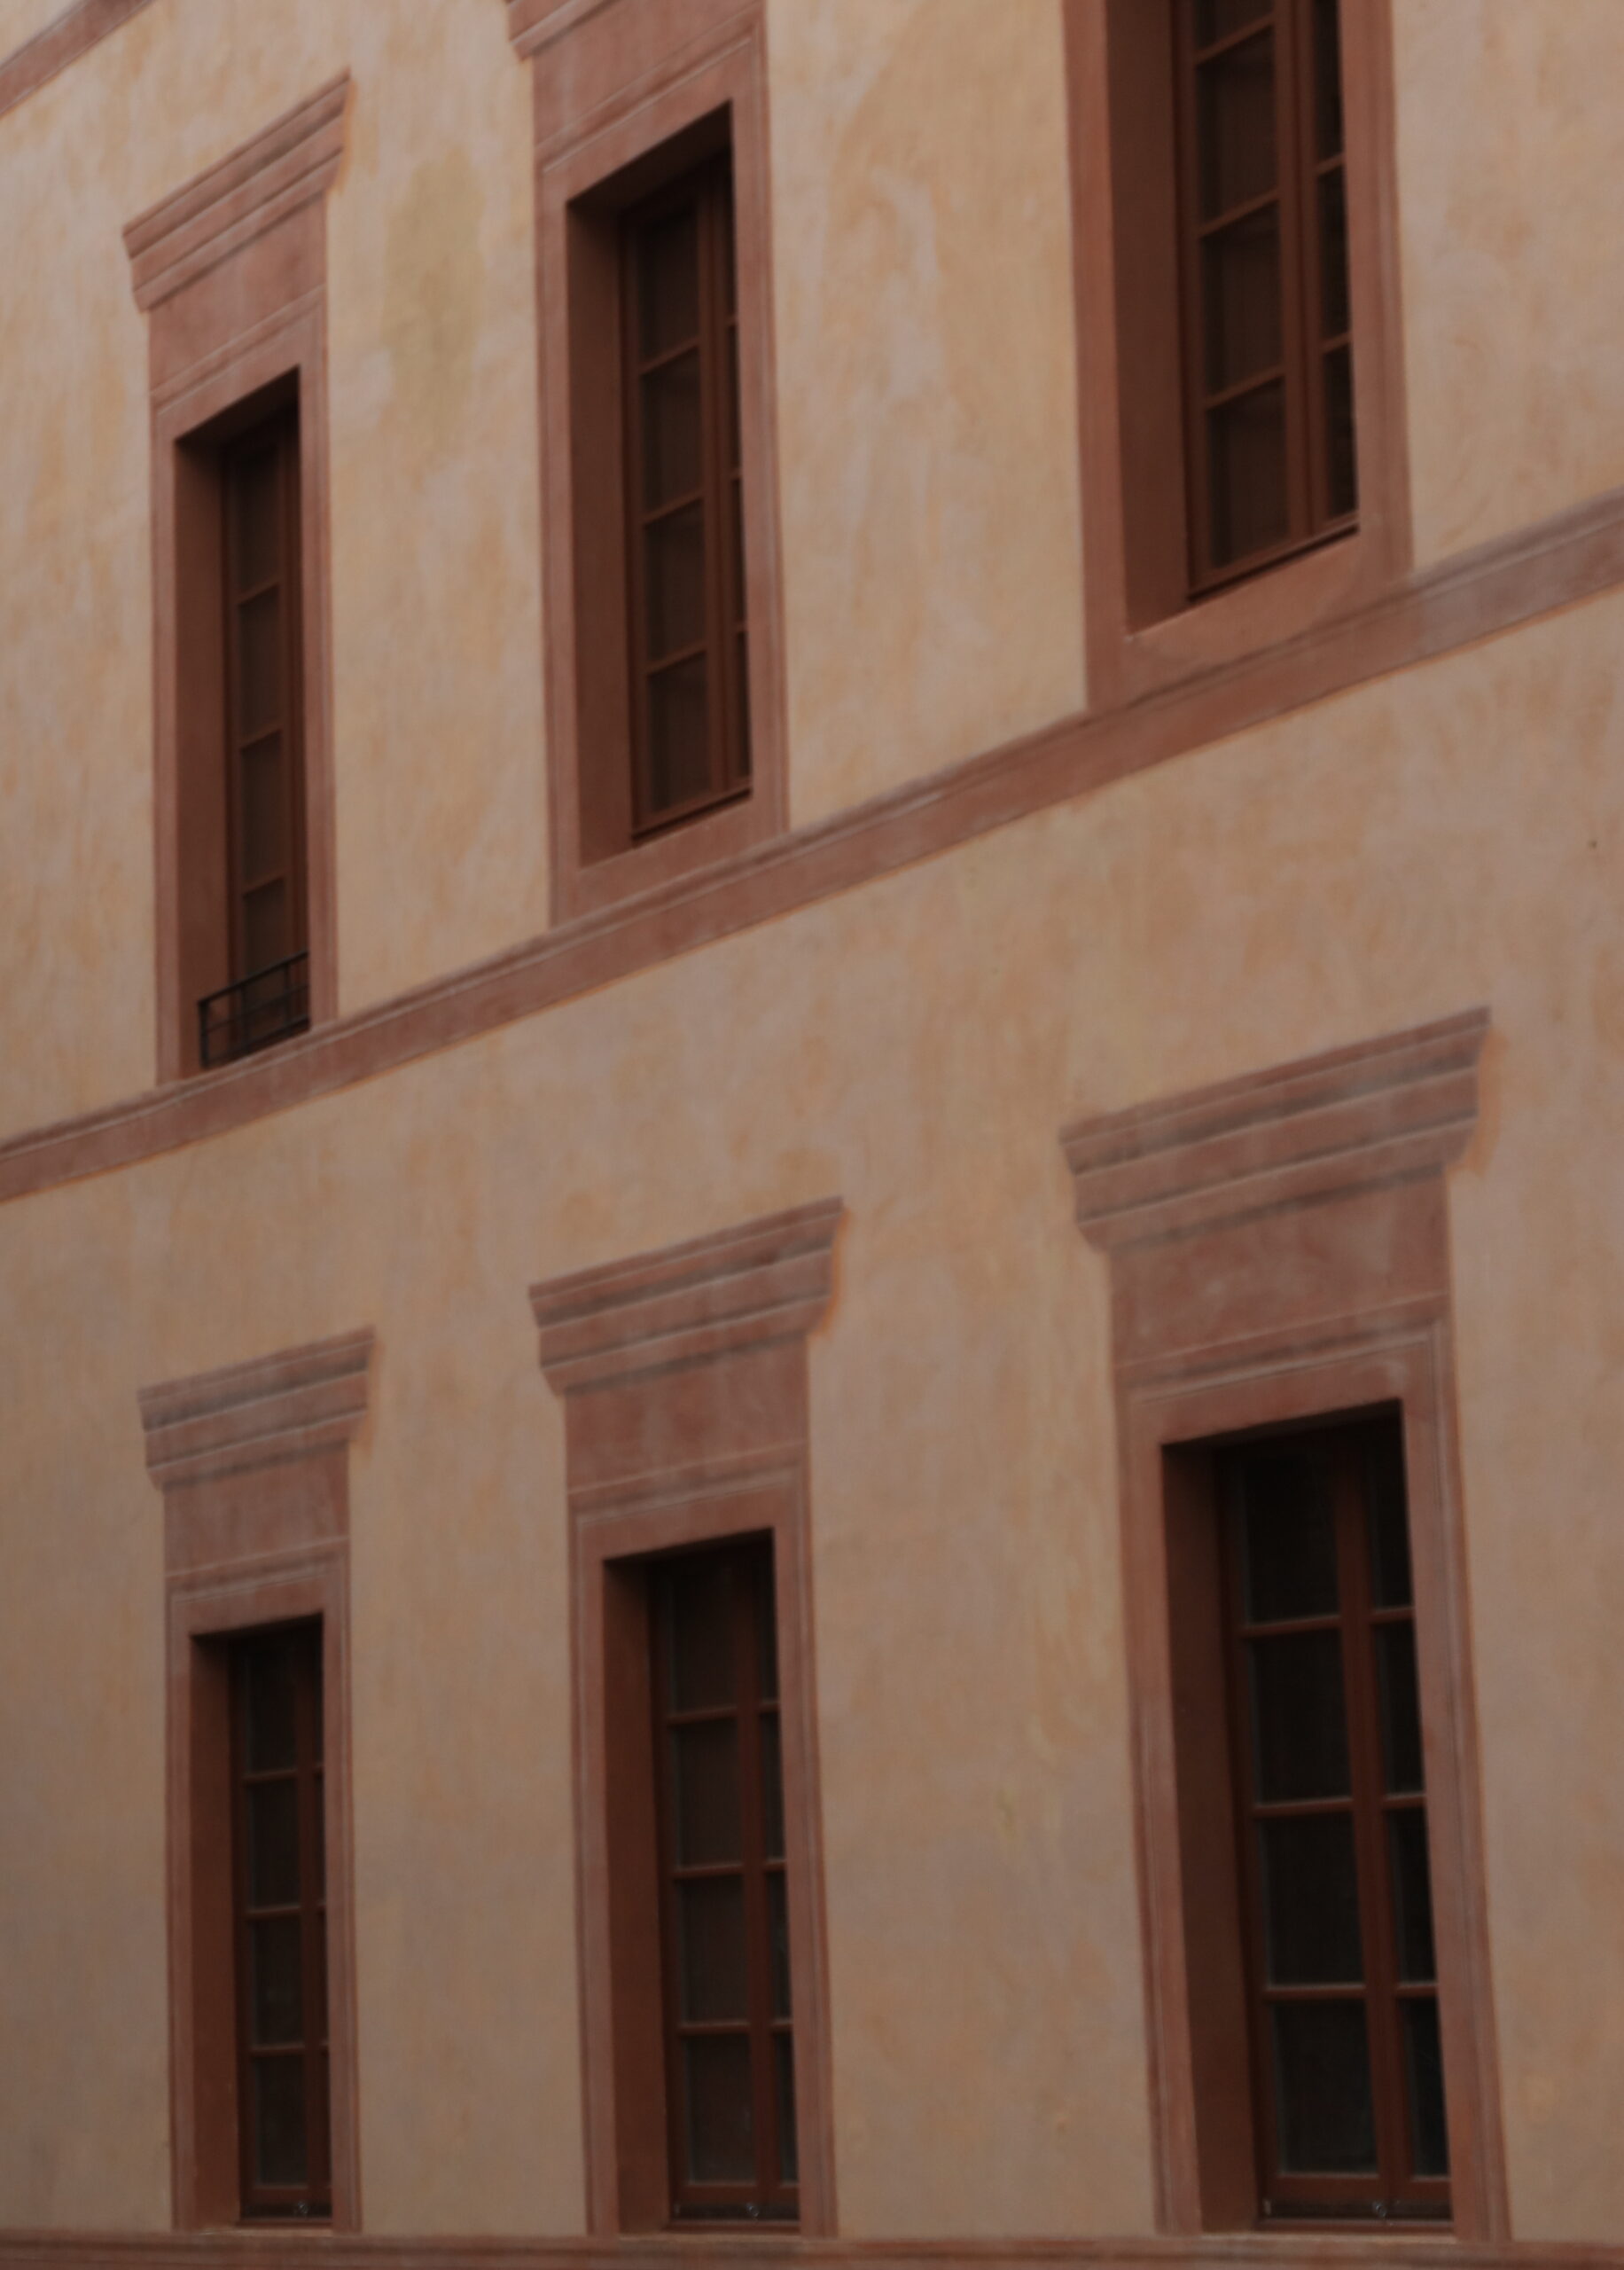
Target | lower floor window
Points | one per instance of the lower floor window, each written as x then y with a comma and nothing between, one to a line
1331,1802
729,2058
280,1914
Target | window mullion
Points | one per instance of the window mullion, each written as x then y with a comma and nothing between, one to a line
758,1928
632,255
1369,1826
712,415
1197,475
1298,328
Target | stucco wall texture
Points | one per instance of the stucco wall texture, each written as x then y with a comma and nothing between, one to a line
1450,836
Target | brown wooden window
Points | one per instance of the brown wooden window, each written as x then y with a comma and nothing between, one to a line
1268,350
729,2057
684,545
1347,2075
279,1876
268,996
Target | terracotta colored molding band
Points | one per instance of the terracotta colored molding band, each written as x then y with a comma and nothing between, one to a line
1379,1112
273,1407
1576,555
535,24
72,34
247,2250
769,1279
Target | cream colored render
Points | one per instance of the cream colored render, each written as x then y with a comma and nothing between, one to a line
926,429
1451,836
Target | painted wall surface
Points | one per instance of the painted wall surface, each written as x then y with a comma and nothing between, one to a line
1510,203
1395,853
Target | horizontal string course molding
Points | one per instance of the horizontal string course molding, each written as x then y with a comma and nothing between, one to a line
62,42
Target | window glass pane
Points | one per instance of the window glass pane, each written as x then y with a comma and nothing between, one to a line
679,735
1429,2132
668,281
276,1976
788,2155
259,665
1412,1896
1299,1731
1250,509
673,457
267,931
1342,471
705,1763
273,1844
712,1926
264,809
279,2153
1217,19
1327,80
701,1623
1334,252
1311,1901
1325,2112
772,1787
255,508
674,561
1288,1539
721,2130
1234,125
1400,1708
1384,1483
1240,268
778,1926
268,1678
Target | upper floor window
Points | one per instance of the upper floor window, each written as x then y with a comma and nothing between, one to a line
267,995
684,495
1267,329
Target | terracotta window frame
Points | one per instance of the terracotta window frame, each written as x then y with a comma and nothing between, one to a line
254,1467
684,1375
1278,1251
1144,631
628,98
231,270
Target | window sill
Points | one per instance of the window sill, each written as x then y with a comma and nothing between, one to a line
683,848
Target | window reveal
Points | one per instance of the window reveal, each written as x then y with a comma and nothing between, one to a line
729,2049
1268,346
685,550
281,1918
1331,1815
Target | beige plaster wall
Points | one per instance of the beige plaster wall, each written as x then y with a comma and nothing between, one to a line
1450,836
1511,203
926,385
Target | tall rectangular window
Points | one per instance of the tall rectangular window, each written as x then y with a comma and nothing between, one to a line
724,1916
1331,1803
268,929
1268,348
280,1923
684,497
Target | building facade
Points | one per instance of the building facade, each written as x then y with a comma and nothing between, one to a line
810,1224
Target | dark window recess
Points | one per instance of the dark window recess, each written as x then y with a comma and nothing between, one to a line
730,2052
1346,2066
1268,349
281,1913
685,549
268,996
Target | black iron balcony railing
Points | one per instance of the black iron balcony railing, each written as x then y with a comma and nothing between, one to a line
255,1012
